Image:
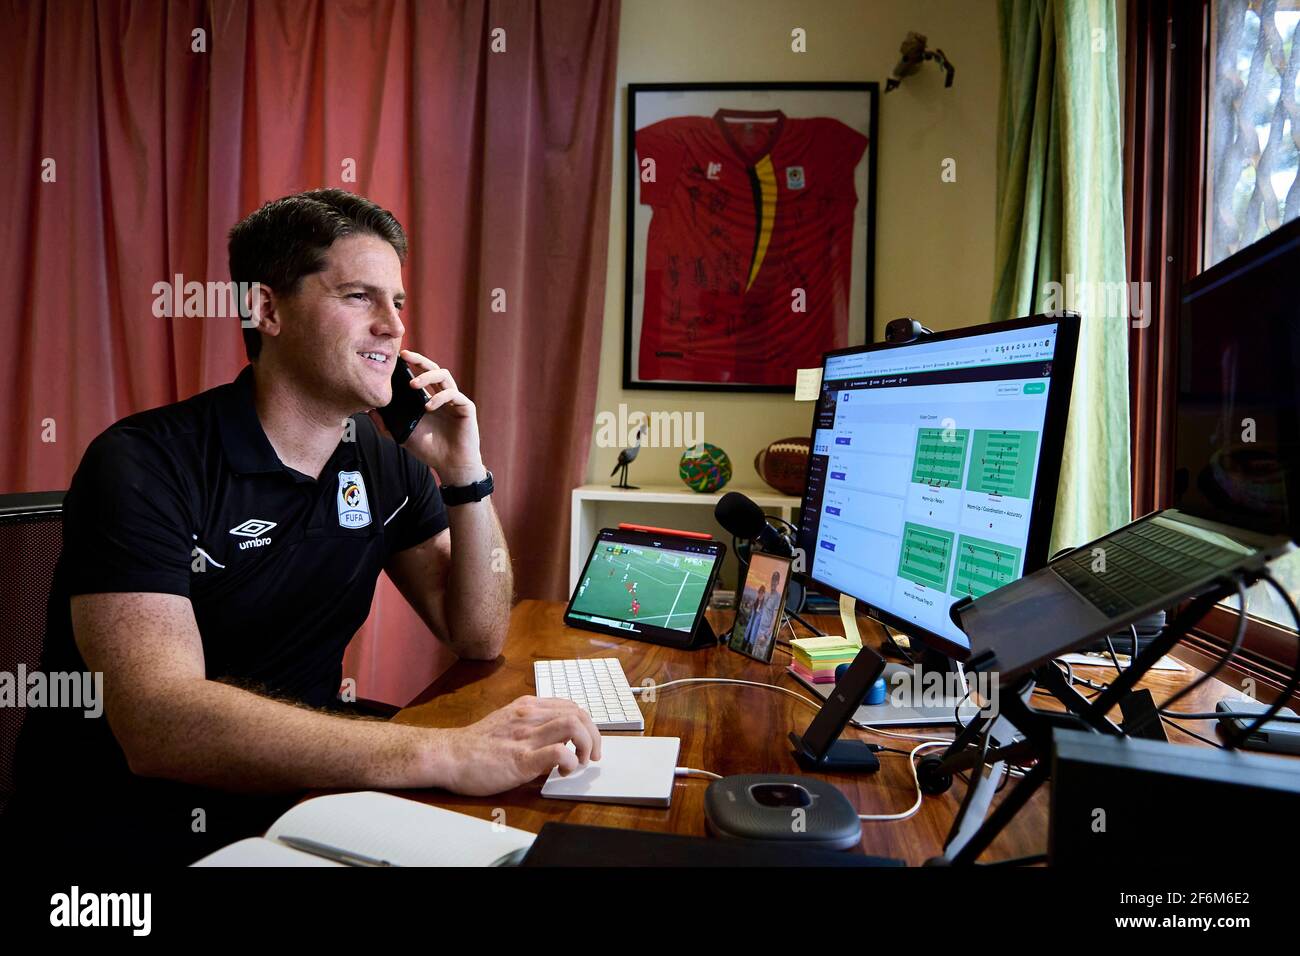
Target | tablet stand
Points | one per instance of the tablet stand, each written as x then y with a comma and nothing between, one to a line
703,635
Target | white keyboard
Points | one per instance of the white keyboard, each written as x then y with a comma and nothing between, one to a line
597,685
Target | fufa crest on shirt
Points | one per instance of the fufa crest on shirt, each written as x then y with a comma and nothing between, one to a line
794,177
354,506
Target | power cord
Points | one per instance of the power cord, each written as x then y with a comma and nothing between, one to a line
815,706
1110,646
1219,665
692,772
1222,715
927,742
817,631
1191,733
1236,738
725,680
920,795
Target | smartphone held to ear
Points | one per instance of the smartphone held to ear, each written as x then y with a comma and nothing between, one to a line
404,412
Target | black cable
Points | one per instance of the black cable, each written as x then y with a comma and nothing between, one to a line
816,630
902,651
984,750
1114,658
783,521
956,711
1071,680
1225,715
1018,861
1006,775
1235,738
1191,733
1236,645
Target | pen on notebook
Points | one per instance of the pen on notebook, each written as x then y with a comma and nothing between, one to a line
513,858
338,855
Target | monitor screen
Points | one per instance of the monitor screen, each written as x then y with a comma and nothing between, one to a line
933,469
1236,439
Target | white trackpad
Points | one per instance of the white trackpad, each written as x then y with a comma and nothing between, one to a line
633,770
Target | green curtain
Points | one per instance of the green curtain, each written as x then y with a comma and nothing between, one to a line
1060,233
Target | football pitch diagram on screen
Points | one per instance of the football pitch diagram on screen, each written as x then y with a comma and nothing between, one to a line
924,555
1002,463
940,456
659,587
983,566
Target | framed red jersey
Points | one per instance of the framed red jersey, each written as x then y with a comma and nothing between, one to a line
750,231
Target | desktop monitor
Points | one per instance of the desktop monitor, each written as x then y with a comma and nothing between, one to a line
934,467
1236,436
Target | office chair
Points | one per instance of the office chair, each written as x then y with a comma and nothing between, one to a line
31,539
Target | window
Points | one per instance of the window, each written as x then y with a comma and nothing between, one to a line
1212,127
1254,123
1253,145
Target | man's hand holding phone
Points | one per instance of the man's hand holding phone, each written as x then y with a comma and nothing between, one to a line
447,437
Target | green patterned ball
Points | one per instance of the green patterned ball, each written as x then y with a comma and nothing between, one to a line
705,467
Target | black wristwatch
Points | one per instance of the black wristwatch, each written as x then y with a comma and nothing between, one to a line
464,494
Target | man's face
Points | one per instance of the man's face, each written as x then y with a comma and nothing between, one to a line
341,331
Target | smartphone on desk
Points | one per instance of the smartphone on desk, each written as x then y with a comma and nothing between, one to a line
404,412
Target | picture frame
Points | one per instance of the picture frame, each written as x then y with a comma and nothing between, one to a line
750,233
760,606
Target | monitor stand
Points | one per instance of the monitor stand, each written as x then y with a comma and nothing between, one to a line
910,701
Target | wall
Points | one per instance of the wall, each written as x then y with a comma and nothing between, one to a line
934,240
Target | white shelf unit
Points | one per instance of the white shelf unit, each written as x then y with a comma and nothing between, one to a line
597,506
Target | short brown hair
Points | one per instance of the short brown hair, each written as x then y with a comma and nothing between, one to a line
287,239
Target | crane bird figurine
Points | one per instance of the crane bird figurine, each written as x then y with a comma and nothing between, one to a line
626,457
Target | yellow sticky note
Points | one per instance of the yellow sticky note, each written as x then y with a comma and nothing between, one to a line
807,384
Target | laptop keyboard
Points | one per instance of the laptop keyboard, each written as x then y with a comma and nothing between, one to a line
1144,563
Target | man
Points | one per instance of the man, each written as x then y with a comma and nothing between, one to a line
768,610
219,554
756,613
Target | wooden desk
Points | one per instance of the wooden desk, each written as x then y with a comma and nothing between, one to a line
726,729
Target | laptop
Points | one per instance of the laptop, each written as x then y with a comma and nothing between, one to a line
1235,483
1102,587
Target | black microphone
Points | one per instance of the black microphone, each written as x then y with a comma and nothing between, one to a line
741,517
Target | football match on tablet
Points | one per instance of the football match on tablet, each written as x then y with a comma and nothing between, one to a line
662,588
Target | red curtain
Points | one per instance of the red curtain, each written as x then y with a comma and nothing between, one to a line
133,143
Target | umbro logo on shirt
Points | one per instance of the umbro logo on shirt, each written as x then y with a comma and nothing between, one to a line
253,529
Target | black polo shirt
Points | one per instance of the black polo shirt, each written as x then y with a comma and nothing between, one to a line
280,567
